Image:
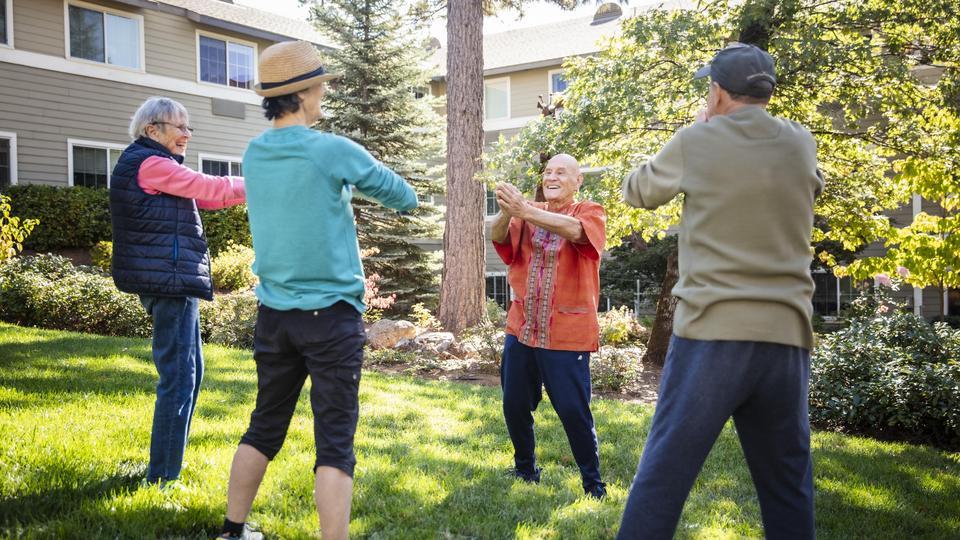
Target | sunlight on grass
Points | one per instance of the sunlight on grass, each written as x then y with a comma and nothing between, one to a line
76,410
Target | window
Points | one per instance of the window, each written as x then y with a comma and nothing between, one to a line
496,98
221,165
558,82
91,164
498,290
831,295
6,22
8,157
492,206
107,37
226,62
953,302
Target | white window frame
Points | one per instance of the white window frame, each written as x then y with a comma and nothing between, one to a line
9,6
90,144
217,157
550,75
486,215
12,137
228,39
102,9
498,80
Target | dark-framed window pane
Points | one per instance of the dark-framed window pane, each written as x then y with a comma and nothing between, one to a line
825,294
215,167
90,167
3,22
236,168
492,206
86,34
213,60
240,65
6,172
497,290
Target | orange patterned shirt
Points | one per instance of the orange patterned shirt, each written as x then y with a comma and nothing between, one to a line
555,282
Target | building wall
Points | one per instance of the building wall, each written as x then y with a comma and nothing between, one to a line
91,101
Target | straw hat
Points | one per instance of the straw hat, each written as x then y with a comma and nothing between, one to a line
289,67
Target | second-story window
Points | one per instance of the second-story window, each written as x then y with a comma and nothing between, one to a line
558,83
496,98
226,62
105,36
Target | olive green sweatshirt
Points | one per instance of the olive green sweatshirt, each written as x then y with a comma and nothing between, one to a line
749,181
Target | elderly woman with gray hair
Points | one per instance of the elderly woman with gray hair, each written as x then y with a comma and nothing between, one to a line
160,253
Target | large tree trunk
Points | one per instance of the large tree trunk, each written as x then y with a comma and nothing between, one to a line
663,324
462,287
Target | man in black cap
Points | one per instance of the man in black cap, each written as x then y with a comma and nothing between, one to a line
742,332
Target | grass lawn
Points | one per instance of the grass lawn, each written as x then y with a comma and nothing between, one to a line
75,416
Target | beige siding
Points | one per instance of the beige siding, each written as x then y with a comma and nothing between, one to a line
63,106
171,45
525,86
38,26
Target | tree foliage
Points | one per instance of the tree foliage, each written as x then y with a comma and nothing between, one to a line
382,62
857,73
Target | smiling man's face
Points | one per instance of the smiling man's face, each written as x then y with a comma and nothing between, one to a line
561,179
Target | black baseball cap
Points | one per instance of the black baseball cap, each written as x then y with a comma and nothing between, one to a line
742,69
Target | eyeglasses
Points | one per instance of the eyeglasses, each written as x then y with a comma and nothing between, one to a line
186,130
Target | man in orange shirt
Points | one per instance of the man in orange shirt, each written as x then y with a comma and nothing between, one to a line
553,253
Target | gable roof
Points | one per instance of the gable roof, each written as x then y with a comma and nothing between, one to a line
238,18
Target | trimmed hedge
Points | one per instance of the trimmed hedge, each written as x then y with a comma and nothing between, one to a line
79,217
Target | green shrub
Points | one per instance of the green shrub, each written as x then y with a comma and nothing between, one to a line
12,231
229,320
615,369
230,270
496,314
49,292
76,217
422,317
619,327
102,255
226,227
888,373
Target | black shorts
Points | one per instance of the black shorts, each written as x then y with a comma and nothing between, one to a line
326,344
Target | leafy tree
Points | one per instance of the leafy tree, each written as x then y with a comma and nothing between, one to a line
381,59
850,70
635,260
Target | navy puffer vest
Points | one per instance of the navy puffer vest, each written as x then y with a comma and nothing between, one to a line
159,247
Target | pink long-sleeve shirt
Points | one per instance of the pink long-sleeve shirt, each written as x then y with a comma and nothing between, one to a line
163,175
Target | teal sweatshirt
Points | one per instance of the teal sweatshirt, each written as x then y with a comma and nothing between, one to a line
299,185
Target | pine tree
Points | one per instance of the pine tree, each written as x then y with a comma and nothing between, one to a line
379,102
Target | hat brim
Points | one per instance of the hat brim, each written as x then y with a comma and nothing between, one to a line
294,86
702,72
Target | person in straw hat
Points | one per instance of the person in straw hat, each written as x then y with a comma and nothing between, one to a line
299,185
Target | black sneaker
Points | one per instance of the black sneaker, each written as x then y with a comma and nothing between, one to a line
247,534
529,477
597,491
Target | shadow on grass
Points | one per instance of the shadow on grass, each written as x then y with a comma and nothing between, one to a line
70,487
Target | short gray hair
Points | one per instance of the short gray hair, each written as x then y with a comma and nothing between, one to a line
156,109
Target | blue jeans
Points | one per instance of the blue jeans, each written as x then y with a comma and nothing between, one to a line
176,353
764,387
524,373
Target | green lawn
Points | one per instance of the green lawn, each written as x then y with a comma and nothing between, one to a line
75,413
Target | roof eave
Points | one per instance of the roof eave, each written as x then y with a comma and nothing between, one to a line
217,23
